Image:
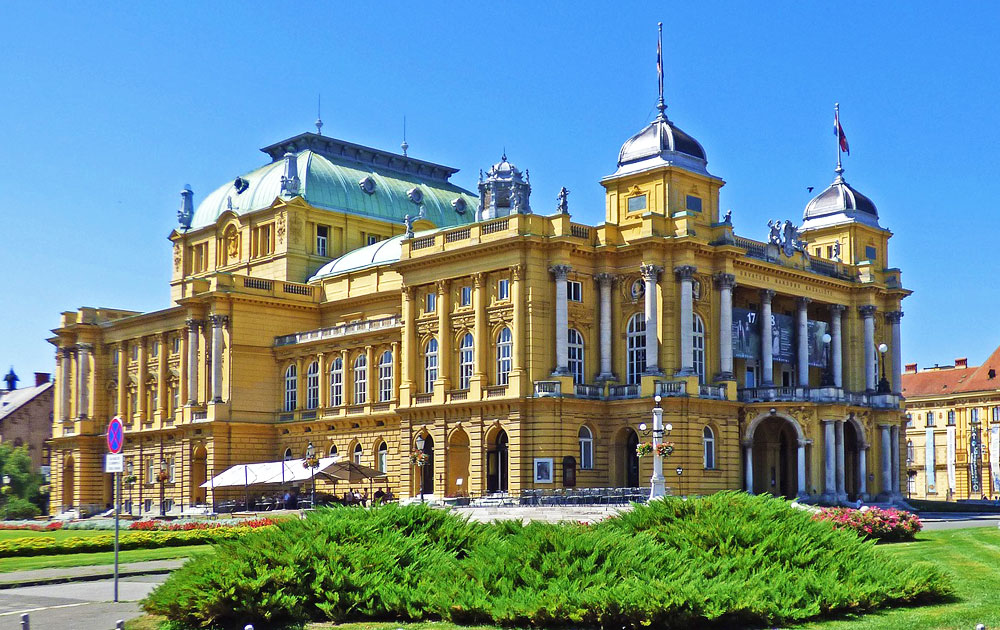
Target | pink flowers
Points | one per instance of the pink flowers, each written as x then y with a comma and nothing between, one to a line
871,522
35,527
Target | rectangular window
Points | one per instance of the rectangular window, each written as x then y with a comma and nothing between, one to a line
337,384
155,349
503,289
951,417
177,345
996,414
176,395
372,239
150,471
637,203
135,352
974,416
261,241
693,203
574,291
114,357
466,296
870,253
171,470
751,376
431,302
930,418
199,258
322,238
829,251
909,420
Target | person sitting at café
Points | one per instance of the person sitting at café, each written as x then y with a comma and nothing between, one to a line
378,496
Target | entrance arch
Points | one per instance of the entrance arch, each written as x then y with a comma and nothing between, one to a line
855,464
498,462
426,479
199,475
775,456
625,462
68,483
458,463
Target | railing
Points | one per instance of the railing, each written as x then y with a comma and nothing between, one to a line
421,243
459,235
618,392
297,289
580,231
258,283
354,410
755,249
548,389
308,415
824,268
593,392
199,415
669,388
499,225
712,391
821,394
461,394
496,391
384,406
422,399
369,325
286,417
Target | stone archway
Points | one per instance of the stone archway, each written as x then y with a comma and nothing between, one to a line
199,475
624,463
855,460
458,463
774,452
497,462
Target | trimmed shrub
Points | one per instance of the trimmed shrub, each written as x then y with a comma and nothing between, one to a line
45,546
875,523
17,508
727,559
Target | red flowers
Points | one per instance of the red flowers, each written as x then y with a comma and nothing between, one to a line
871,522
190,525
34,527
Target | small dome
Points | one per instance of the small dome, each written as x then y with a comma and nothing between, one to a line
659,137
838,203
381,253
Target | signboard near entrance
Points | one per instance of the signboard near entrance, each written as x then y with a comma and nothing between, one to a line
114,463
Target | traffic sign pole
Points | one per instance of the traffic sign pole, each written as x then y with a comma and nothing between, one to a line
116,440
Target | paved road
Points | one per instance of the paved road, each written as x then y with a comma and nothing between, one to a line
76,605
953,522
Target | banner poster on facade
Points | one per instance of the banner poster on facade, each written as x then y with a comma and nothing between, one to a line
975,457
746,337
995,457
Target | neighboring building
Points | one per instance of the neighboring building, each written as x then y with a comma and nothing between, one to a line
953,430
357,300
26,416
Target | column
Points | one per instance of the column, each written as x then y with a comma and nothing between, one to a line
123,382
142,401
66,361
829,461
444,335
841,476
650,273
685,274
605,281
894,462
748,467
863,472
192,361
837,345
517,273
803,342
725,282
480,301
892,319
372,375
324,381
886,460
766,351
802,469
83,379
868,317
394,347
300,383
218,328
410,365
561,273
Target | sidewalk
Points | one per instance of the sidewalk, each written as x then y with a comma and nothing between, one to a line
87,573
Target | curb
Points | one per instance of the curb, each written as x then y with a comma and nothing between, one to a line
93,577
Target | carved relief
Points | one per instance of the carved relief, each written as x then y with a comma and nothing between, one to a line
281,228
177,256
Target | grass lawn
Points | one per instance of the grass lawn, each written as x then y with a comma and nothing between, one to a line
104,557
59,534
971,556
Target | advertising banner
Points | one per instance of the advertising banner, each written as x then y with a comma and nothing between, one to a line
746,337
975,458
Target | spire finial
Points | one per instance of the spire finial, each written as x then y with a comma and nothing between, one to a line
659,69
319,118
404,146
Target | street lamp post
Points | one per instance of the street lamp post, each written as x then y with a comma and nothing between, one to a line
420,447
163,484
828,370
311,459
131,482
657,486
883,384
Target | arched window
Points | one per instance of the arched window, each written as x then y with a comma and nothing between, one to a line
909,452
385,377
576,355
360,380
465,358
333,450
636,360
698,344
430,365
337,382
358,451
382,457
291,388
505,344
586,449
708,441
288,454
312,385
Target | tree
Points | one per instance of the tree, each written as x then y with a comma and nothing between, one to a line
24,483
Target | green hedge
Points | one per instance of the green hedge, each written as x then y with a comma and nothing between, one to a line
727,559
45,546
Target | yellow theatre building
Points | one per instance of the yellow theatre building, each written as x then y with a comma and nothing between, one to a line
357,300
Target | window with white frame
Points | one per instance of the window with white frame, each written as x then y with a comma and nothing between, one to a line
951,417
385,377
505,344
322,236
636,347
708,442
973,415
930,418
698,343
358,454
373,238
466,297
155,349
360,379
465,359
909,451
586,449
503,289
575,353
150,471
337,382
430,365
333,450
574,291
996,414
291,386
909,420
312,385
382,457
171,470
177,345
431,302
114,357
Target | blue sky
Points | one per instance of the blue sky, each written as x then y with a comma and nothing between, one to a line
107,111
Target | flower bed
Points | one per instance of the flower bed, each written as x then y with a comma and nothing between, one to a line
871,522
45,546
31,526
184,526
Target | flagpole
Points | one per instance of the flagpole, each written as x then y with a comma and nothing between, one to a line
659,66
836,117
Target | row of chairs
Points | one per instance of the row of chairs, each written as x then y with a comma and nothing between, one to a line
583,496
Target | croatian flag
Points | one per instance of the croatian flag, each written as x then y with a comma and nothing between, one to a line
839,131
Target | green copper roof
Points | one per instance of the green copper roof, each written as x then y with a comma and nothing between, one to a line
331,172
